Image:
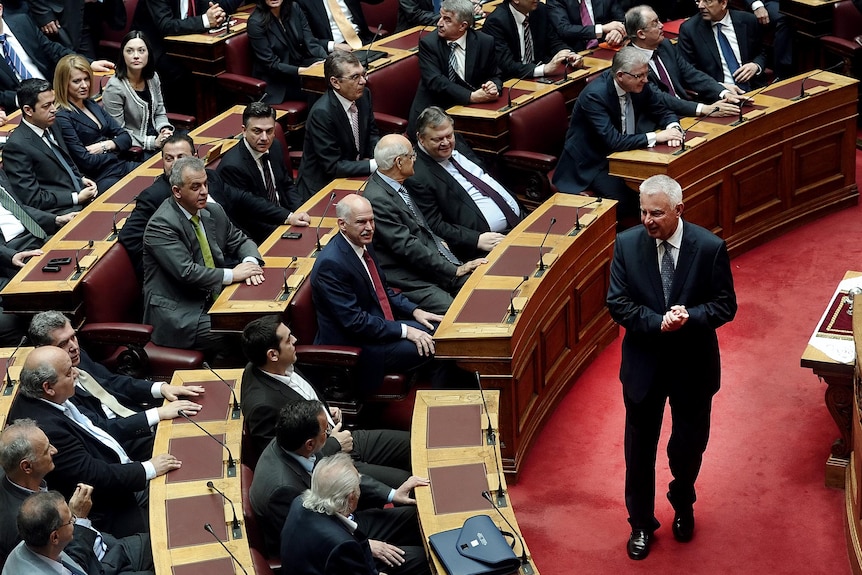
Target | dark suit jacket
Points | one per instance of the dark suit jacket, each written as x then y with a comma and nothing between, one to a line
82,459
178,286
501,25
329,151
702,283
416,13
36,175
279,50
698,45
79,131
239,169
435,89
319,22
44,53
566,16
595,132
317,544
46,221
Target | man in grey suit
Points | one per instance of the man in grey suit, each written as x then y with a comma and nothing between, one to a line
192,250
413,257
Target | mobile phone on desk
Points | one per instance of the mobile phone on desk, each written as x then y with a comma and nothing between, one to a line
291,235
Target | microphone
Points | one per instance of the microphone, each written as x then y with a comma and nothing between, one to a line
541,271
744,101
368,50
695,123
512,311
9,383
317,231
490,436
286,293
418,37
78,269
114,231
236,409
231,464
578,227
226,27
209,528
526,568
500,494
361,188
802,93
512,87
235,530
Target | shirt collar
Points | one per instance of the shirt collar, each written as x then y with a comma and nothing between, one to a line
728,23
646,51
254,153
307,463
620,92
394,184
675,239
345,103
358,250
462,42
519,18
39,131
348,522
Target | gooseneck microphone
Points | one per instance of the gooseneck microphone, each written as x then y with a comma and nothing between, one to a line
114,231
526,568
368,50
695,123
235,411
512,311
490,436
320,223
512,87
236,532
7,390
209,529
747,99
78,269
802,93
541,271
578,226
286,293
231,464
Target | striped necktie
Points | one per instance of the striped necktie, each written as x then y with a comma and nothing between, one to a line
13,59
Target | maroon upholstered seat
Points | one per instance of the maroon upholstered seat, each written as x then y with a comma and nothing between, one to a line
393,88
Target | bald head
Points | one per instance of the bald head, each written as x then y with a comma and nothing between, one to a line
355,219
48,374
394,157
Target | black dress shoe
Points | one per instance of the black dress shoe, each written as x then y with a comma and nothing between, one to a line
683,527
638,545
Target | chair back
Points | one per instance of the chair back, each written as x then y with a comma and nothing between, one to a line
540,125
112,274
301,314
237,55
385,14
109,43
846,20
393,87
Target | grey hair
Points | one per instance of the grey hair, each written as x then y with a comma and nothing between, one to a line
41,326
432,117
628,58
661,184
462,9
180,166
635,19
333,481
15,445
386,153
39,516
33,377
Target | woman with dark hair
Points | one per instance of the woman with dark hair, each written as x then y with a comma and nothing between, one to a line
94,139
282,46
133,97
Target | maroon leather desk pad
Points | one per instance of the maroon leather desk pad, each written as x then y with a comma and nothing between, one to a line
502,101
97,226
211,567
269,290
603,54
793,89
458,488
215,403
66,271
565,220
454,426
134,187
301,248
225,128
186,518
406,42
316,211
837,323
517,261
202,458
485,306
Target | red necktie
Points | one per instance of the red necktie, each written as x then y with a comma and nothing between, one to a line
378,286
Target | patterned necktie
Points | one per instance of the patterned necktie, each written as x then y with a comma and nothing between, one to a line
529,54
586,20
663,75
353,113
512,218
8,202
58,153
630,115
99,392
13,60
382,298
202,240
423,223
271,194
344,26
453,63
667,270
727,54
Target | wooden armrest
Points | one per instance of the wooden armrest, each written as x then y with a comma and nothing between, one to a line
390,124
242,84
530,160
118,333
334,355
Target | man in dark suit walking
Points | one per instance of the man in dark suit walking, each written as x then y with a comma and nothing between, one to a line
725,44
458,65
605,120
40,168
671,287
340,131
582,24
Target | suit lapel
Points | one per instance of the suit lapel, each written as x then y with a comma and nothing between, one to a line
209,224
708,39
471,55
614,99
353,261
339,112
649,257
741,38
687,251
248,160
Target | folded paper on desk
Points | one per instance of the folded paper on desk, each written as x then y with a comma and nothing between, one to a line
477,548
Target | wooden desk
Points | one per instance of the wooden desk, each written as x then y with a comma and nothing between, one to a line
839,401
853,477
563,325
471,450
790,165
8,394
180,501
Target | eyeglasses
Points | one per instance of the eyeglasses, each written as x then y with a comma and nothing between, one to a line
411,156
355,77
70,522
704,2
328,429
635,76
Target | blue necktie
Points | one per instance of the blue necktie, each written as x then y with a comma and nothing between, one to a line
13,60
727,54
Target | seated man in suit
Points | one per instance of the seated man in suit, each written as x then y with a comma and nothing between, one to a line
768,13
26,456
340,131
412,256
355,306
527,42
254,215
458,65
417,13
284,470
86,453
256,164
345,31
604,121
683,88
42,173
583,23
192,250
725,44
463,204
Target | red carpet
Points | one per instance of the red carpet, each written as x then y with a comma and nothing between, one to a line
762,504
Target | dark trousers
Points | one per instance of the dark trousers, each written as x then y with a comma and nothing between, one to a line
397,526
612,187
383,454
690,413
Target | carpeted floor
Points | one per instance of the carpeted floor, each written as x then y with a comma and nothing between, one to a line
762,504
